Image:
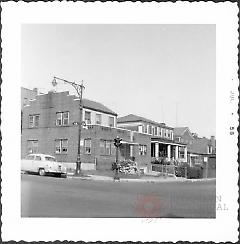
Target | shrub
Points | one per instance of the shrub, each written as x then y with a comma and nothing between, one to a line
192,172
195,172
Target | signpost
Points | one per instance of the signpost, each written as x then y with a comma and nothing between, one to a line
117,144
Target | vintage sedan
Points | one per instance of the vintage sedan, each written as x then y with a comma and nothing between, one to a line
43,164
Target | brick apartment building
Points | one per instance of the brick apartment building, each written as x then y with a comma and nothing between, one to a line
162,138
49,127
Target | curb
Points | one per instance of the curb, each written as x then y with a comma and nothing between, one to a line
106,178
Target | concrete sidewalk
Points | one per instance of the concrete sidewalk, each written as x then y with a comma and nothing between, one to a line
143,179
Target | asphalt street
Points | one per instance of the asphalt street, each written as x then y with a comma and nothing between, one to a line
60,197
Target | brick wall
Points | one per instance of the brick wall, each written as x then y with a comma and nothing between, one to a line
143,139
47,132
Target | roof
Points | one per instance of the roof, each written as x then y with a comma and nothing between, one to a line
96,106
86,103
199,146
179,131
136,118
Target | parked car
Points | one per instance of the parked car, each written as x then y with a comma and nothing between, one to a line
43,164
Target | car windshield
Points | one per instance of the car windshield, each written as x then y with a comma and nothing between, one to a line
47,158
30,157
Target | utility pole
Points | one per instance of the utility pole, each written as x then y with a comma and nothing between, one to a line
79,89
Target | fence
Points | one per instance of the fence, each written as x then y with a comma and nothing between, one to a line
164,169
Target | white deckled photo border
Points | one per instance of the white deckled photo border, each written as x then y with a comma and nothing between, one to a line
224,16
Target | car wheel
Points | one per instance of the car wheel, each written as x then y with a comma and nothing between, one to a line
41,172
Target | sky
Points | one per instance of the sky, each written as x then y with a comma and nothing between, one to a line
165,73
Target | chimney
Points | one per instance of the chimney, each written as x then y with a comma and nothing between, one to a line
35,90
213,140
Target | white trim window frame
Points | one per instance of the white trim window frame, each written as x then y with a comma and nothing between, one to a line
87,118
142,150
165,133
87,146
98,119
145,129
160,132
106,147
62,118
34,120
111,121
32,146
61,146
209,149
150,129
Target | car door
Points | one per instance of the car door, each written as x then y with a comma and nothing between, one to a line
37,163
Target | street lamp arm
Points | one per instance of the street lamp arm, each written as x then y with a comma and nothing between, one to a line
76,86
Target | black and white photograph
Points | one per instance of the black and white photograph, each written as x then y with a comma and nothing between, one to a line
120,121
135,129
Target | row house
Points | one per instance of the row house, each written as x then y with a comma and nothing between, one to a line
201,150
49,126
162,137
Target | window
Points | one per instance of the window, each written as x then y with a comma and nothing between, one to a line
155,130
38,158
145,128
30,157
87,117
61,146
47,158
87,146
140,128
25,101
65,118
142,149
62,118
165,133
178,139
106,147
160,132
111,121
98,119
209,149
102,147
169,134
150,129
32,146
181,152
34,120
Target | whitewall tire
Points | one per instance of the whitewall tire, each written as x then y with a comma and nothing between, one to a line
41,172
